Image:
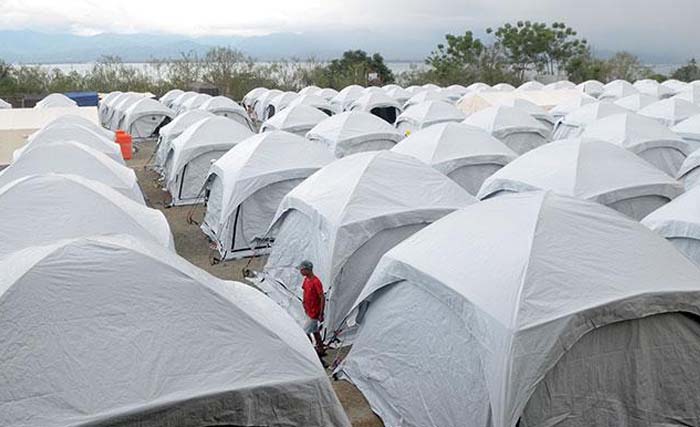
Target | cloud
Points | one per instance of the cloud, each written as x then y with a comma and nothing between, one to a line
635,25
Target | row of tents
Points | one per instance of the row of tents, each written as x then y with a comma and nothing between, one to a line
102,323
514,281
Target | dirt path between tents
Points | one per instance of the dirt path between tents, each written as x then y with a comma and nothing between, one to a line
192,245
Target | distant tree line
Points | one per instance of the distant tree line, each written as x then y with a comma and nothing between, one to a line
515,52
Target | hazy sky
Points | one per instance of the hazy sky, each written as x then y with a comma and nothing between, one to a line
647,25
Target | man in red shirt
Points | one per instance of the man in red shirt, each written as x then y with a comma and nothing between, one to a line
314,302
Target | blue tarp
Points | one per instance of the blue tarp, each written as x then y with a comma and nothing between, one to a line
84,99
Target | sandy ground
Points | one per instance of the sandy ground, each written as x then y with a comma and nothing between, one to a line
193,245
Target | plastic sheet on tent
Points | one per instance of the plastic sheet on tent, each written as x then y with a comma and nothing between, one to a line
588,169
442,340
121,332
69,206
342,207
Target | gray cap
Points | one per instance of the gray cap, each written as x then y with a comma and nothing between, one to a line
306,265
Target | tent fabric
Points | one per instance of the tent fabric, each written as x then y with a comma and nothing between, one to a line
587,169
345,97
353,132
465,154
71,206
653,88
454,92
531,85
55,100
643,136
679,223
617,89
315,101
143,118
670,112
502,87
262,102
279,103
156,341
514,127
560,85
253,166
575,122
76,159
636,102
119,109
195,102
191,155
227,107
691,94
537,112
336,211
689,172
252,95
370,101
675,85
105,103
400,94
69,120
689,130
593,88
426,96
327,93
75,133
169,96
566,107
426,114
478,87
4,105
174,129
297,119
178,102
310,90
544,271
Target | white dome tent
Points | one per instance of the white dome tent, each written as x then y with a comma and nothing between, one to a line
69,206
104,105
298,119
227,107
245,186
593,88
263,102
670,112
576,121
401,95
502,87
427,95
691,94
690,170
120,109
156,341
174,129
310,90
465,154
74,133
313,101
191,155
354,132
250,97
530,86
279,103
426,114
478,87
178,102
675,85
169,96
195,102
653,88
587,169
71,120
560,85
617,89
68,157
514,127
644,137
145,117
538,307
562,109
537,112
55,100
345,97
4,105
636,102
327,93
345,216
679,223
379,104
689,130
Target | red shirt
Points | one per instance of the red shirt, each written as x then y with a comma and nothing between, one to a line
313,297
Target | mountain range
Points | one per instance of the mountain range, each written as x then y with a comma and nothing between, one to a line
27,46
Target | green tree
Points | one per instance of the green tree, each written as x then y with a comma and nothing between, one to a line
458,60
625,66
688,72
586,67
354,67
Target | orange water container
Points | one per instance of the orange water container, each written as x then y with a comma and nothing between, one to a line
124,140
